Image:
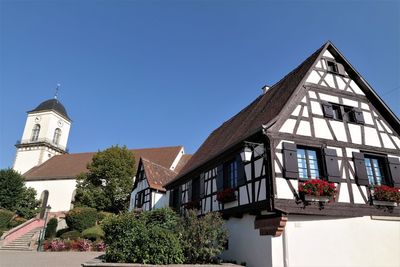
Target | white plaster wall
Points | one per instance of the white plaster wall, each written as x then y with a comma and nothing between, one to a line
60,192
159,200
48,124
329,241
246,244
26,159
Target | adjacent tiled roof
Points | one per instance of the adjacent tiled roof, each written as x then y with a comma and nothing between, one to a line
157,175
182,162
250,120
52,104
70,165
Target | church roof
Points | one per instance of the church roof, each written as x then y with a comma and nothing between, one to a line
68,166
52,104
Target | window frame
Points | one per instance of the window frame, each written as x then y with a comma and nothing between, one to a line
140,197
57,136
228,179
345,113
35,132
320,166
381,165
334,64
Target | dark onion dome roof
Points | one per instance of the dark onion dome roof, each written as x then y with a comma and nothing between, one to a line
52,104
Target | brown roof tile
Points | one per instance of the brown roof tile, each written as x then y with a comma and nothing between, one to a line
182,162
70,165
157,175
250,120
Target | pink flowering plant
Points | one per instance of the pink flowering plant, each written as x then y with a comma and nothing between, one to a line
317,188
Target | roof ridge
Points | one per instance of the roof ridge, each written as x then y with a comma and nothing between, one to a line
158,165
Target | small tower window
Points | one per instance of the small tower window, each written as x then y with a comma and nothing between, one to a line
57,135
332,67
35,132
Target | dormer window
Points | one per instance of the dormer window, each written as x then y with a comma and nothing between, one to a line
335,67
332,67
35,132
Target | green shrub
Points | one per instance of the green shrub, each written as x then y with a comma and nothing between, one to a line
16,221
131,238
103,215
62,231
5,218
165,218
73,235
81,218
51,228
93,233
202,238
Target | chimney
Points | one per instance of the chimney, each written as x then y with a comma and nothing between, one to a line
265,88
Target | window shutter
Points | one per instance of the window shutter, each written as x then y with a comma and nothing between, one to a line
136,201
358,116
394,167
341,70
220,178
360,170
328,111
179,192
332,165
202,184
291,169
171,198
241,175
189,190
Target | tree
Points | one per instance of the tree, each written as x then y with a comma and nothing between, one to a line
108,183
15,196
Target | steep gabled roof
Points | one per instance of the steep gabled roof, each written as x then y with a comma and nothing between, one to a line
68,166
157,175
250,120
266,108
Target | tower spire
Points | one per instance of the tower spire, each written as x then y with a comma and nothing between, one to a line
57,89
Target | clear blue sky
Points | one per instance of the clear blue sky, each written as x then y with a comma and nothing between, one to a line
158,73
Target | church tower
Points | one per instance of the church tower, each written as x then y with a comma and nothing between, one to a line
45,135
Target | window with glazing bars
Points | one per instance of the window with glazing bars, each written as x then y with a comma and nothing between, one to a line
375,171
307,160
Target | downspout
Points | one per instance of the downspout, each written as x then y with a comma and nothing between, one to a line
285,251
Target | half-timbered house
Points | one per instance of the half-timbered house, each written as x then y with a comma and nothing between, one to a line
321,122
148,190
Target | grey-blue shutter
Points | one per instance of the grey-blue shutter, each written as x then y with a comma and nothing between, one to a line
171,198
241,175
358,116
179,196
291,169
360,169
341,70
394,168
220,178
328,111
202,185
189,190
332,165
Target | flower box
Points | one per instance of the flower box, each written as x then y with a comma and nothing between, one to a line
384,203
227,195
194,204
383,195
317,191
317,198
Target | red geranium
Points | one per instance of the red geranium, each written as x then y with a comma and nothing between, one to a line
316,187
386,193
227,195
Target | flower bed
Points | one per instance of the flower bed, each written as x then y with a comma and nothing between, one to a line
227,195
317,190
73,245
384,195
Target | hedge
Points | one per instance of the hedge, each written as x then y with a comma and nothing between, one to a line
5,218
93,233
16,221
51,228
72,235
81,218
